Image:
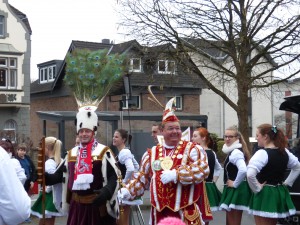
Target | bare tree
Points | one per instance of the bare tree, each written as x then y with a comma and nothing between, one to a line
249,36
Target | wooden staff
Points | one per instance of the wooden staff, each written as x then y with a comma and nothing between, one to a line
41,174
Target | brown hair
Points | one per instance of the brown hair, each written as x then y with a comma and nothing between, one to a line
275,135
22,146
124,135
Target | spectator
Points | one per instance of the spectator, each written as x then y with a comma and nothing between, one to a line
27,165
9,148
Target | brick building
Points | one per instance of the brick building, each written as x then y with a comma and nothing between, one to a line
53,107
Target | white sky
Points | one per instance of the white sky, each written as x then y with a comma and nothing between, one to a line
55,23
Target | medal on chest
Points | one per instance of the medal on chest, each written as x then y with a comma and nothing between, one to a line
166,163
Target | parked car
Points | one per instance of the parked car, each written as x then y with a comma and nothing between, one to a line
292,104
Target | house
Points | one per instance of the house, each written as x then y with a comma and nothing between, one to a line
53,106
220,114
15,53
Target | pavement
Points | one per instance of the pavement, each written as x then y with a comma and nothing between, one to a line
219,217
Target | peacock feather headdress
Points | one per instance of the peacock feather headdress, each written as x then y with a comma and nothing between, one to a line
92,74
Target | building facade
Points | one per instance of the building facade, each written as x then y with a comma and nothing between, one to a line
15,53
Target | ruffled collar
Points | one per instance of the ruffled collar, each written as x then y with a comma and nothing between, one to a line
227,149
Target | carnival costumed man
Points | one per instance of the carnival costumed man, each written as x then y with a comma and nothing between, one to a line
174,171
92,173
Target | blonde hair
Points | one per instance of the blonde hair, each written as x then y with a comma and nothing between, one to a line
242,141
54,144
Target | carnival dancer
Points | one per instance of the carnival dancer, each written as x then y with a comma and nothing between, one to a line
236,193
174,170
53,195
202,137
127,165
266,176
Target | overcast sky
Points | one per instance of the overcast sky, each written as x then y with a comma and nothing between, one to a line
55,23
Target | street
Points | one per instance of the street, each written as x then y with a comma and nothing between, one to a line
219,218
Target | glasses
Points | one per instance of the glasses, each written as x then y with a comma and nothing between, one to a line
229,136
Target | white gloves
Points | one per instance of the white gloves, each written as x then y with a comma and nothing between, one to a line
123,194
168,176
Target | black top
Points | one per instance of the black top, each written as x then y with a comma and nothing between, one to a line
122,167
273,172
230,170
211,163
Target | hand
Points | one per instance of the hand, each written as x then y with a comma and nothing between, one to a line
123,194
31,184
230,183
168,175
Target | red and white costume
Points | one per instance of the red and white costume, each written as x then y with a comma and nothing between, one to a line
177,198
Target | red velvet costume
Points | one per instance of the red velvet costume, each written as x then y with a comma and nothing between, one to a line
173,199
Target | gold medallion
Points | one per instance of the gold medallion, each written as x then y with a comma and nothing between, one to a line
166,163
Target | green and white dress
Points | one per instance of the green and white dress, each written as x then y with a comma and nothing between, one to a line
53,196
268,166
213,193
235,169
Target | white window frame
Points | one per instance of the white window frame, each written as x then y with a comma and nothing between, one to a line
138,65
11,125
47,74
11,72
126,101
166,69
178,103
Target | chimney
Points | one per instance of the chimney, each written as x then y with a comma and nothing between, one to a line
105,41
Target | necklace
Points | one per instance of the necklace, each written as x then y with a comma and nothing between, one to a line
167,160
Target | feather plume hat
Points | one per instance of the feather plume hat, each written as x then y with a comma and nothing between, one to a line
91,75
169,109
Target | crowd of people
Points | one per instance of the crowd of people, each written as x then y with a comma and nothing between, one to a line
92,185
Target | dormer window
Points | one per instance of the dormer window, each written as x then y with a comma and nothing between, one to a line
135,65
166,67
47,74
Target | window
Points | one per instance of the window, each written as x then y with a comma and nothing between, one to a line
133,103
8,72
47,74
135,65
178,102
2,21
166,66
10,128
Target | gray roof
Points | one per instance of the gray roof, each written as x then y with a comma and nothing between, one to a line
182,79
